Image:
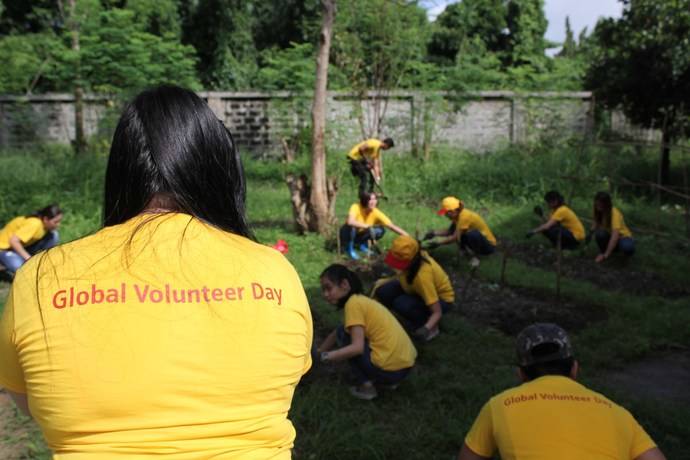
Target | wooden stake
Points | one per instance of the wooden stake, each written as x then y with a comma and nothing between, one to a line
559,254
504,263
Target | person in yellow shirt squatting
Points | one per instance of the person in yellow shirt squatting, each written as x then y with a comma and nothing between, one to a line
562,220
365,222
468,229
24,236
365,162
550,415
371,339
609,229
420,293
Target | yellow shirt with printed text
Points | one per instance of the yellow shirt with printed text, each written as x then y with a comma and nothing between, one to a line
391,347
369,217
567,218
468,220
29,230
372,150
159,336
431,282
556,417
618,223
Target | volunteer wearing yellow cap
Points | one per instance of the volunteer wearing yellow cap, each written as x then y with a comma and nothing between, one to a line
365,162
374,342
550,415
365,222
609,229
169,332
562,221
467,228
421,293
25,236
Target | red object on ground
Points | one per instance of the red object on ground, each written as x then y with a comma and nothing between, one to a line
281,246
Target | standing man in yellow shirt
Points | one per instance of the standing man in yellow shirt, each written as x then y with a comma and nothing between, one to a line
468,229
563,221
365,162
609,229
550,415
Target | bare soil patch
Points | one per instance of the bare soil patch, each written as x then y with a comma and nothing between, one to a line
14,435
508,309
660,377
615,274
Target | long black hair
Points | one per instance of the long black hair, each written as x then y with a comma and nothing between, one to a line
602,219
49,212
337,273
415,264
554,195
170,146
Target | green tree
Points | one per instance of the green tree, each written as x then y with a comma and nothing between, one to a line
27,60
526,25
569,48
641,65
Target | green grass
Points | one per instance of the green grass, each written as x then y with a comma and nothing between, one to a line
427,417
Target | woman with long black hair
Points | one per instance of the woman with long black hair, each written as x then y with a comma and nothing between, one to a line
420,293
169,331
609,229
25,236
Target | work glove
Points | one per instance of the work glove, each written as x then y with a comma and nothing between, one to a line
429,235
422,333
530,234
324,357
431,245
538,211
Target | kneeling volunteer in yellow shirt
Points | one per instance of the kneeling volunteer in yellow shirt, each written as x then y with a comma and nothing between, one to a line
561,221
609,229
169,332
550,415
467,229
379,350
421,293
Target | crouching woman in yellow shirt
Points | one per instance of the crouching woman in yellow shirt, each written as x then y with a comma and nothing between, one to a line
365,222
374,342
609,229
561,221
421,292
24,236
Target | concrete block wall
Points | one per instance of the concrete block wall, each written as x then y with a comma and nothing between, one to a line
258,121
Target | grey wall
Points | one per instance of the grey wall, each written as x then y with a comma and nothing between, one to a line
483,121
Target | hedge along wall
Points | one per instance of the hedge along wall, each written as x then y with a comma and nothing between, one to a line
481,121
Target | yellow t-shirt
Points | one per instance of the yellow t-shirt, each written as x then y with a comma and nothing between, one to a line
556,417
29,230
391,347
181,340
431,282
372,150
370,217
567,218
618,223
468,220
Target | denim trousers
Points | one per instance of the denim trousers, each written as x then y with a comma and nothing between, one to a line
625,244
362,367
409,307
568,241
477,242
349,234
12,261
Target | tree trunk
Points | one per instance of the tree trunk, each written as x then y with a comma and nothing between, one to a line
79,133
665,157
319,199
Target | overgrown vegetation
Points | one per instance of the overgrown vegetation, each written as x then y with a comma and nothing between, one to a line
429,414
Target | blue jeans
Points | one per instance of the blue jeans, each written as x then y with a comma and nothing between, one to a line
625,245
477,242
363,368
12,261
410,307
568,241
350,234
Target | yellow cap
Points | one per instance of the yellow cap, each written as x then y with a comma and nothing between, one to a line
449,203
402,251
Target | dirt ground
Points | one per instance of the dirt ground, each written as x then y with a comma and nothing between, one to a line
13,434
615,275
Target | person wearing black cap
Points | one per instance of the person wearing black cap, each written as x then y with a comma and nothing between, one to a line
550,415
